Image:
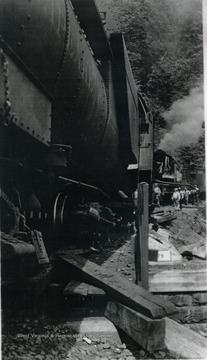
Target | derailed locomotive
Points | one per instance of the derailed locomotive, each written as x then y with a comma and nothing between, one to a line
69,120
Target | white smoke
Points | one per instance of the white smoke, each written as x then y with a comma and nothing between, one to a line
185,119
186,8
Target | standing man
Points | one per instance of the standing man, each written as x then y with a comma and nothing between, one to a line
181,197
157,194
197,194
186,195
193,196
176,199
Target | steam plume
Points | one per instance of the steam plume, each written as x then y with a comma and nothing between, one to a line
185,119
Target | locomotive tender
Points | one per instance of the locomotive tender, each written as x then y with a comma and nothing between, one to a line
69,117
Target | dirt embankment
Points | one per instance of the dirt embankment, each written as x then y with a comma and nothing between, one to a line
188,235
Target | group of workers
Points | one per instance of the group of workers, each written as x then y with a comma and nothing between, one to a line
184,196
179,197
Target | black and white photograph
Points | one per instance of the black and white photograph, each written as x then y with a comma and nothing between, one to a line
102,179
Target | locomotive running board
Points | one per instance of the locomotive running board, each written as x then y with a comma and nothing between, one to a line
118,288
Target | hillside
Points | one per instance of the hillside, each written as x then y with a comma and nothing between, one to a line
165,43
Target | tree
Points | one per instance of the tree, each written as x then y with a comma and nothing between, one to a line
165,43
164,39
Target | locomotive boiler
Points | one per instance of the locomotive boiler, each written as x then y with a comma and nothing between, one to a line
68,116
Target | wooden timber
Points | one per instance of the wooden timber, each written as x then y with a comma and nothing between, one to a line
117,287
158,335
75,288
141,236
178,281
161,217
142,329
183,342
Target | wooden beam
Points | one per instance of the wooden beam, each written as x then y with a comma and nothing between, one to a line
162,217
158,335
178,280
76,288
141,237
117,287
184,343
145,331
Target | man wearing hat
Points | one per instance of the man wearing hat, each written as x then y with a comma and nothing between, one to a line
157,194
176,199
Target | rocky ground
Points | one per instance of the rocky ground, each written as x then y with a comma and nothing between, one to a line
188,232
32,338
27,339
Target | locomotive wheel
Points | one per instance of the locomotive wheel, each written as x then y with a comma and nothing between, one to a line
59,209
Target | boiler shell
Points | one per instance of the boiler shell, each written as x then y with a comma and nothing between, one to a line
46,37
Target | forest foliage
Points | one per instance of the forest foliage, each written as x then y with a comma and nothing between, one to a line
164,39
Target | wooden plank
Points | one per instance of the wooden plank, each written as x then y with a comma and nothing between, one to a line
163,216
146,332
184,343
119,288
166,218
93,290
158,335
178,280
75,288
141,238
82,289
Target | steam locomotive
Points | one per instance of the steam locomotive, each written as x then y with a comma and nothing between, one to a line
69,118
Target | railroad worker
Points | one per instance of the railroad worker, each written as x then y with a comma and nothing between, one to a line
157,194
176,199
193,196
186,196
197,194
181,198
